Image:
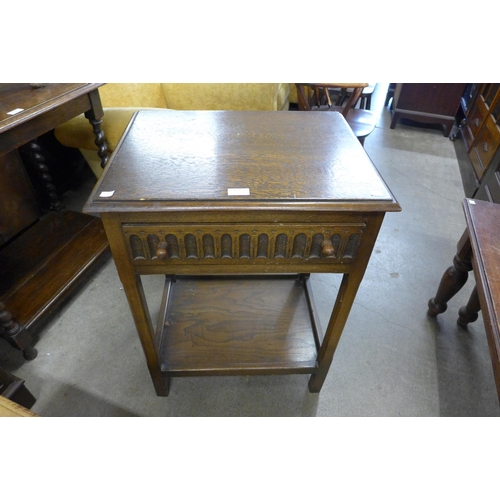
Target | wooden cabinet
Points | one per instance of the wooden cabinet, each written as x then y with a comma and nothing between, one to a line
428,103
480,134
483,127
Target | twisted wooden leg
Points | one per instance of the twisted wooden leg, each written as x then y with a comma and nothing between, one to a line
94,116
100,141
43,171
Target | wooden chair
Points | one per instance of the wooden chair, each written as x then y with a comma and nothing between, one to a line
365,100
316,97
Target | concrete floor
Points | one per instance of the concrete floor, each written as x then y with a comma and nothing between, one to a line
392,359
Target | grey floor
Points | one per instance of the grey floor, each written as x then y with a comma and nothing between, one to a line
392,359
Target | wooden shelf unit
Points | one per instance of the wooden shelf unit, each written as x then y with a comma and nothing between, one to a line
477,141
427,103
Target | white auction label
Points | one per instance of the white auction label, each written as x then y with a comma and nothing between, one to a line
238,191
15,111
106,194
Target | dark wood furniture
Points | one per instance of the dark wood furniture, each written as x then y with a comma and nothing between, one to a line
477,141
43,256
390,94
13,388
477,250
316,97
9,408
365,99
428,103
236,208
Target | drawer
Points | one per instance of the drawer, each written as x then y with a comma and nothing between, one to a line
493,189
493,130
475,121
485,147
230,244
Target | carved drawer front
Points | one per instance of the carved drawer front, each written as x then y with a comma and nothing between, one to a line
243,243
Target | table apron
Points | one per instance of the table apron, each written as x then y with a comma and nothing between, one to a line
40,124
253,246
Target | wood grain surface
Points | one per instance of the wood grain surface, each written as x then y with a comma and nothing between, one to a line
181,156
227,325
483,223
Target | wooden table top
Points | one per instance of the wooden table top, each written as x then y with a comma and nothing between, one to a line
239,159
483,223
20,102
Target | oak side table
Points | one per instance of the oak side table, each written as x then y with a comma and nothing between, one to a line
236,209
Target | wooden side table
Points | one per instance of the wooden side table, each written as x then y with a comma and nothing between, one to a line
43,256
477,250
236,209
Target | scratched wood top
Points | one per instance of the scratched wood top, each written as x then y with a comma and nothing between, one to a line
169,158
20,102
483,223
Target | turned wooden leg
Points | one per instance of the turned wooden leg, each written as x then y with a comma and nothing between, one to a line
15,334
453,279
470,312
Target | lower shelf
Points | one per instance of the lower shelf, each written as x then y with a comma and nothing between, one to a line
45,264
237,326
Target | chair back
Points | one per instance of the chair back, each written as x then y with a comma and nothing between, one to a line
316,96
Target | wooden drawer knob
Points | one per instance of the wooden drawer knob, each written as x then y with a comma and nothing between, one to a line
162,252
327,249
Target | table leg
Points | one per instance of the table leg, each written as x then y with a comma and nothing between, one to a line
454,277
343,304
100,142
15,334
469,313
132,285
338,319
38,161
94,116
